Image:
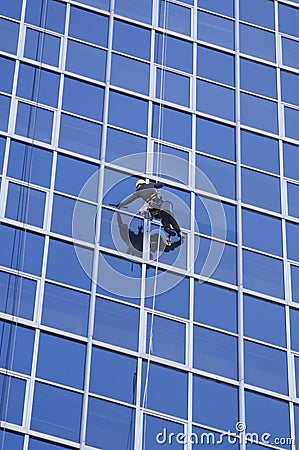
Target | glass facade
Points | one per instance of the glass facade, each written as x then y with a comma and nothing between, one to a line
108,338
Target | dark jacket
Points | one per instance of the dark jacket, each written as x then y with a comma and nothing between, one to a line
148,192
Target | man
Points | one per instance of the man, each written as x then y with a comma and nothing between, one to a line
155,207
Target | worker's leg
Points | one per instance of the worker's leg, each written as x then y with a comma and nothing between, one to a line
165,219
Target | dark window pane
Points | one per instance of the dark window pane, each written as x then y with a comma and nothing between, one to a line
215,65
220,174
65,309
13,396
7,69
9,32
294,314
135,9
49,15
215,352
215,138
260,151
26,288
215,306
25,205
291,160
80,136
295,283
293,195
4,112
215,100
128,112
215,29
257,42
289,87
290,52
16,346
116,324
34,122
175,18
293,241
288,19
261,190
169,338
130,39
219,6
255,311
130,74
260,12
172,87
176,126
86,60
121,144
56,411
83,98
88,26
61,360
11,9
259,113
258,78
291,117
263,274
42,47
178,55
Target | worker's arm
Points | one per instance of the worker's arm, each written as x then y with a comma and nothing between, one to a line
128,200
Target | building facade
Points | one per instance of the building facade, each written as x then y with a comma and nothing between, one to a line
110,345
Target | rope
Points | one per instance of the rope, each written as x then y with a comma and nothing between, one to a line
22,210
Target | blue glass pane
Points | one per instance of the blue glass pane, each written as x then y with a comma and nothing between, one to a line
12,441
167,389
25,205
178,55
289,87
291,160
215,65
215,100
215,352
259,151
173,87
42,47
215,306
16,346
49,15
215,29
15,242
160,431
122,144
266,367
263,274
175,18
168,338
294,314
62,255
258,78
72,174
65,309
291,117
260,12
258,419
220,174
29,163
7,69
116,324
135,9
205,438
130,74
11,9
80,136
2,151
288,19
13,396
4,112
130,39
262,232
56,411
292,241
293,193
215,138
128,112
106,367
83,98
34,122
259,113
25,288
176,126
102,4
38,85
257,42
227,229
178,170
109,425
261,190
86,60
255,311
36,444
295,283
61,360
208,393
9,33
219,6
88,26
290,52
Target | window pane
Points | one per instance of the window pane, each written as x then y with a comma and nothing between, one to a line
25,205
291,117
293,195
50,15
226,230
121,144
16,346
215,100
130,74
257,42
260,12
292,240
36,444
86,60
83,99
290,52
65,309
9,32
294,314
215,29
42,47
130,39
80,136
255,311
102,4
220,174
172,87
175,18
26,288
208,393
2,151
295,283
215,306
61,360
7,67
263,274
288,20
289,87
106,367
215,352
34,122
13,396
259,113
56,411
159,431
259,151
116,324
88,26
176,126
215,138
261,190
219,6
12,440
215,65
4,112
168,338
128,112
258,78
135,9
178,55
11,9
291,160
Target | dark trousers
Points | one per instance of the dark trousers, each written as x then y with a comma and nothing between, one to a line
169,223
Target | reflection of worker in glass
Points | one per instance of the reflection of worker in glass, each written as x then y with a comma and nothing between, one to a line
155,207
134,241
